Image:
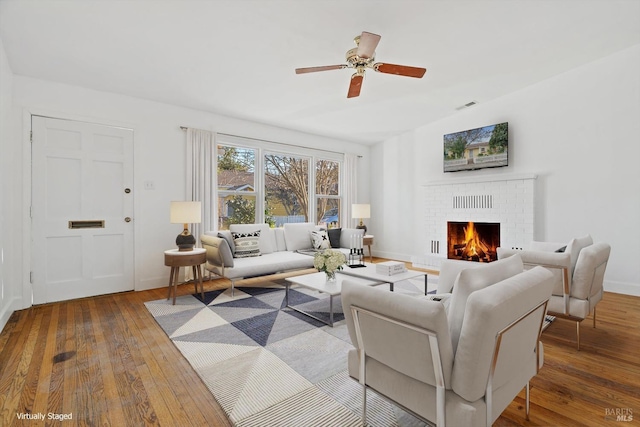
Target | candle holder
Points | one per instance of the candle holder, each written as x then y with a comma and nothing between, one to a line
356,258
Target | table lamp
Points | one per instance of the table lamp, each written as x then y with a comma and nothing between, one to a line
185,213
360,211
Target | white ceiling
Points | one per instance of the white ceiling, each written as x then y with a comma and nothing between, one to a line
237,57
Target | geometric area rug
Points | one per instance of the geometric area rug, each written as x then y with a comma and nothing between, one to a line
268,365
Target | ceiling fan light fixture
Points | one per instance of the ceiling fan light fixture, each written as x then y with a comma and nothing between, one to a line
362,57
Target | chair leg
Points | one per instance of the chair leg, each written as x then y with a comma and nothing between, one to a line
364,405
527,408
578,334
594,317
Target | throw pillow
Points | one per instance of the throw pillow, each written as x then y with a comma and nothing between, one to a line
247,244
334,237
320,240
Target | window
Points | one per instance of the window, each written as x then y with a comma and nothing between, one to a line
236,186
286,182
259,181
328,193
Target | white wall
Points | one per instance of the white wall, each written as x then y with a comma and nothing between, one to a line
579,132
159,156
10,223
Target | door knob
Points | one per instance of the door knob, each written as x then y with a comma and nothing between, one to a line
127,219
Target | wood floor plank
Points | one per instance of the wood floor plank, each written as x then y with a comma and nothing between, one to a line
114,415
123,370
13,386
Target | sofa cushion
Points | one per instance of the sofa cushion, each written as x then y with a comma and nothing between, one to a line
473,279
247,244
266,264
298,235
334,237
281,244
320,239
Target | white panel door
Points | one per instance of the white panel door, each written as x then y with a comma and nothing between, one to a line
82,209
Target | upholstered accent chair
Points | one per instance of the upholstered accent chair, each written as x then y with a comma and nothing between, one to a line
449,271
578,269
403,347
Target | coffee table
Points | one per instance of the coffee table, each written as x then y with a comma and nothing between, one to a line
369,272
318,282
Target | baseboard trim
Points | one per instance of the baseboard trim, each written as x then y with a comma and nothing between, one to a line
622,288
7,310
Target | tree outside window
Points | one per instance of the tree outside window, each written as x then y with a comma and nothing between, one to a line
286,181
236,186
291,188
328,193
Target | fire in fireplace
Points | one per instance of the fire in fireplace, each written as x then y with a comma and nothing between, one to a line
471,241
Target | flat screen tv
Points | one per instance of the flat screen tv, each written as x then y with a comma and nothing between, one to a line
485,147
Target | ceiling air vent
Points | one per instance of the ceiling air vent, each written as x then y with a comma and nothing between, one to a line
467,105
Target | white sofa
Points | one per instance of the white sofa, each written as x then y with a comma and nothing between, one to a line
281,249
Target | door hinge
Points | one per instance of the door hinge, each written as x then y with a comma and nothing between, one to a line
31,136
31,277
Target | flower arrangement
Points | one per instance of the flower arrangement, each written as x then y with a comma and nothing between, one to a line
329,261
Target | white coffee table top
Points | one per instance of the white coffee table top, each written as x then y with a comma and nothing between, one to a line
318,281
369,272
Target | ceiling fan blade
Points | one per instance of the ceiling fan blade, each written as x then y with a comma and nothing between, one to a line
399,70
322,68
368,44
355,85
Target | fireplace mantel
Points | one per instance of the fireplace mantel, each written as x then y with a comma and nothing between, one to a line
481,179
507,199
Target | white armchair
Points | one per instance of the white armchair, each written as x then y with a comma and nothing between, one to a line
403,347
449,271
578,275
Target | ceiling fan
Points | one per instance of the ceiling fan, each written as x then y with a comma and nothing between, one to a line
362,57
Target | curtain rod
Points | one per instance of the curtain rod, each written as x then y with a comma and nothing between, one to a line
271,142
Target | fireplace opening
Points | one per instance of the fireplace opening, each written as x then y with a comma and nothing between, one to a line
473,241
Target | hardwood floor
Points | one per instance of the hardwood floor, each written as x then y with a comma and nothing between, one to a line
105,361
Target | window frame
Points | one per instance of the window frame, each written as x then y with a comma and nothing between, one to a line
261,149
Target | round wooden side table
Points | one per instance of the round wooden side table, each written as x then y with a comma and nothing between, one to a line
368,241
175,259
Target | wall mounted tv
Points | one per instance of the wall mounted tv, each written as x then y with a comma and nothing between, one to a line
485,147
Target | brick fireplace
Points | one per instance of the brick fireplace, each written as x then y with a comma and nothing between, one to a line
505,201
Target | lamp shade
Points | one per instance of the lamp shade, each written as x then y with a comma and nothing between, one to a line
185,213
360,211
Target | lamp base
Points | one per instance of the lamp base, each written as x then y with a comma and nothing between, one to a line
185,242
362,227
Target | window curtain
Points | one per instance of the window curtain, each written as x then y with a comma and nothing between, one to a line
350,188
201,178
